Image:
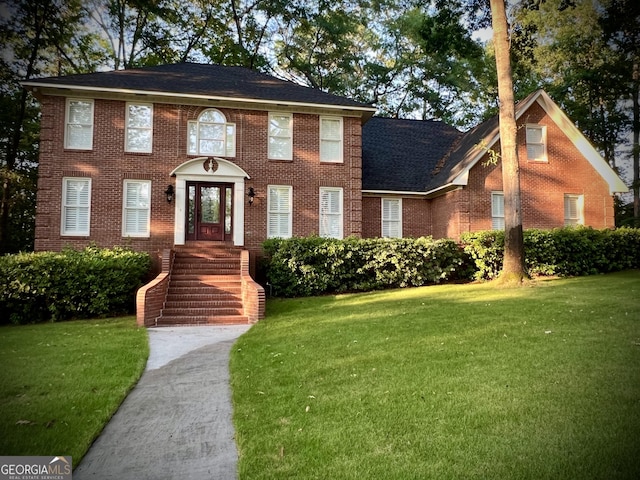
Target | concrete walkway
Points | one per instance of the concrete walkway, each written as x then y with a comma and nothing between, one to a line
176,422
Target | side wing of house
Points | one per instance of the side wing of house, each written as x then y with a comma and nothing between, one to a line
564,181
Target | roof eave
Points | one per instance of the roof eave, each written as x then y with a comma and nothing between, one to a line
457,183
397,193
365,112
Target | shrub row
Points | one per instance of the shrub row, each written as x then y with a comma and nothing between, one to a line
72,284
564,251
313,265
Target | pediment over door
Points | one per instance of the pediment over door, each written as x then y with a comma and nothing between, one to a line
209,166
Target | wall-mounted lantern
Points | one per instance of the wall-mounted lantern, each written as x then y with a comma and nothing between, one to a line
251,194
169,193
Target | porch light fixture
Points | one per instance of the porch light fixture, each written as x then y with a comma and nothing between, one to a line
251,194
169,193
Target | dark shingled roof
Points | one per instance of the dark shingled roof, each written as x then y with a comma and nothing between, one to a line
400,155
201,79
461,153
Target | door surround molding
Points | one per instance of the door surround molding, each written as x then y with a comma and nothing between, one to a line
202,169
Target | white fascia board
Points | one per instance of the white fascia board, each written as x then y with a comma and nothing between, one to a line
616,185
169,95
459,182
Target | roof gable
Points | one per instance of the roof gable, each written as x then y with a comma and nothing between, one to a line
453,170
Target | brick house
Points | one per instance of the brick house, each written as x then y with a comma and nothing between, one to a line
199,164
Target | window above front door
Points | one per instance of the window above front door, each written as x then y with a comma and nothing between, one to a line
211,135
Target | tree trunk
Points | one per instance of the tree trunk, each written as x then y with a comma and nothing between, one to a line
513,269
636,143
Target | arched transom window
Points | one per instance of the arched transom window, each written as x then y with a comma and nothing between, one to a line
212,135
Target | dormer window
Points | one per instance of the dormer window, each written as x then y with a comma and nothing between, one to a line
537,143
212,135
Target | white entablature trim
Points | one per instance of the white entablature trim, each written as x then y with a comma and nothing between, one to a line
213,166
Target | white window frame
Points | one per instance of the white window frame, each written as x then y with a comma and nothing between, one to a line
228,137
386,221
81,209
326,139
69,126
497,210
327,218
284,135
531,143
577,217
275,213
137,210
144,128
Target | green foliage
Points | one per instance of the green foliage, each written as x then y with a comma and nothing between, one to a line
564,251
314,265
62,382
72,284
444,382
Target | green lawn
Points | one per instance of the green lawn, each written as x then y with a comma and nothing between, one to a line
445,382
61,382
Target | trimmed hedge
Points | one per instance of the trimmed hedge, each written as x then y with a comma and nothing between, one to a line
313,266
55,286
569,251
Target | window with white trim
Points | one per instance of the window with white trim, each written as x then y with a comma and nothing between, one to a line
330,212
331,139
139,122
78,131
392,217
76,206
573,209
497,210
537,143
136,208
279,211
281,136
211,135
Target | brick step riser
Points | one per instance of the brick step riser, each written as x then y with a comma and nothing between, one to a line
226,320
235,277
210,296
200,283
200,312
204,274
174,305
206,259
196,256
197,295
213,267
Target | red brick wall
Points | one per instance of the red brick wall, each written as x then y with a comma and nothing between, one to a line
371,217
450,214
107,164
544,184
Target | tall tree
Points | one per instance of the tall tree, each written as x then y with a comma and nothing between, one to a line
514,268
620,22
39,37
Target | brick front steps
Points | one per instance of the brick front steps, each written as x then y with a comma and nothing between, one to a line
202,284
